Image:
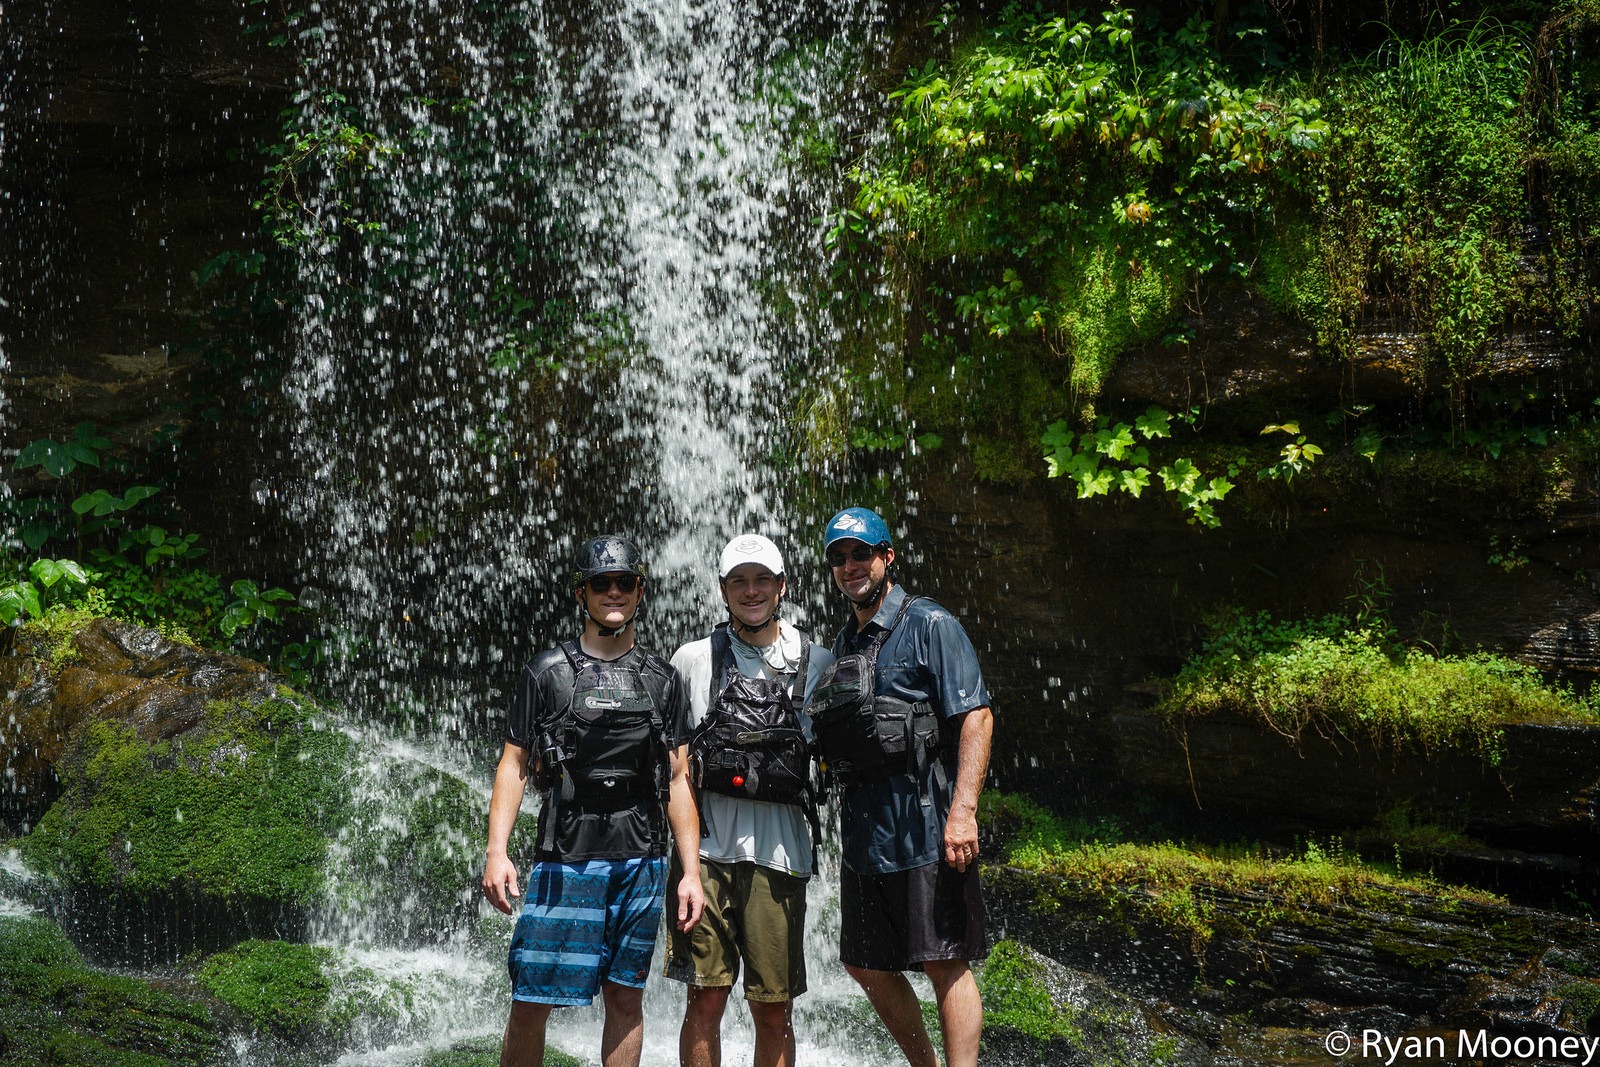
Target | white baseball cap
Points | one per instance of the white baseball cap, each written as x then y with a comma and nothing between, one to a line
750,548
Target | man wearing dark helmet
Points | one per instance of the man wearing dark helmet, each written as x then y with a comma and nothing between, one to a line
600,725
903,723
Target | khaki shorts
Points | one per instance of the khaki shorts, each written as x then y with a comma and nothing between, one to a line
752,912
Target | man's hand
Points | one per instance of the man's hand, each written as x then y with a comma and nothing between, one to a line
691,901
500,882
960,840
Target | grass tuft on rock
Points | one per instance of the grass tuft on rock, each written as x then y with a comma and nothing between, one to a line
1337,677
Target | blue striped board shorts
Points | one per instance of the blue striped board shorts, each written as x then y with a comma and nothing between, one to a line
585,923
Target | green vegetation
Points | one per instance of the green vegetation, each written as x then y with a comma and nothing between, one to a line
56,1009
1060,189
241,808
1015,996
1175,886
1103,1027
141,569
1341,676
292,990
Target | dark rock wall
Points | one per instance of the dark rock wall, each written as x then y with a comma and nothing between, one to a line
128,159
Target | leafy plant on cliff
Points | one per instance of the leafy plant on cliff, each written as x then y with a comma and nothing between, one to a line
1422,190
1337,677
1058,163
142,568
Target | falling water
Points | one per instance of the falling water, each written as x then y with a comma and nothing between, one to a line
554,279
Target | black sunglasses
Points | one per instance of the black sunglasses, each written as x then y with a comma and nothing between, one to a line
602,583
860,554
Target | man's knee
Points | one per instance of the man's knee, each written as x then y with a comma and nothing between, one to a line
623,1002
526,1013
774,1018
866,977
707,1003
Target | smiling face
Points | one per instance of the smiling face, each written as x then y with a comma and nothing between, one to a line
605,600
752,592
858,578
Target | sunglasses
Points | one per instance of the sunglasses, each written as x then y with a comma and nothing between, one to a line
602,583
860,554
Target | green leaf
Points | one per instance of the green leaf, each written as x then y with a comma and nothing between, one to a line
1154,423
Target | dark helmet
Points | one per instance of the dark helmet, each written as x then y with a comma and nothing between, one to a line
861,524
606,554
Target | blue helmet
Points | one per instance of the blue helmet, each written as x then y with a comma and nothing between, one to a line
860,524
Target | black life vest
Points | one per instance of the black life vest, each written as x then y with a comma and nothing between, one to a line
864,737
606,750
750,745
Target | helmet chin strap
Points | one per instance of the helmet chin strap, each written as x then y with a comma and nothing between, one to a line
872,600
612,631
735,623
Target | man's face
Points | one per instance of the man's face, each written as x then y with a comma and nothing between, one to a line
751,593
606,599
858,577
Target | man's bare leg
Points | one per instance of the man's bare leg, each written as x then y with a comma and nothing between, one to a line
622,1040
896,1004
700,1039
960,1010
774,1032
523,1044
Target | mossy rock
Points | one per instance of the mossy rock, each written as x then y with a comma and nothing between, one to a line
232,814
485,1052
248,821
56,1009
1038,1011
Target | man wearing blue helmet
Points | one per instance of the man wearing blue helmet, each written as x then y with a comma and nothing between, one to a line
903,723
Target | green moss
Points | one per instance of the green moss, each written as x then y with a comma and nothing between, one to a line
286,988
1110,301
1015,996
240,807
1176,886
1582,999
55,1009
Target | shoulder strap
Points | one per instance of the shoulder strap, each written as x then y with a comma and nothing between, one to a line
883,635
721,645
802,675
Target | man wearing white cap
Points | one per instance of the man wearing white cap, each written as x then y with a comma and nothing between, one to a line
750,760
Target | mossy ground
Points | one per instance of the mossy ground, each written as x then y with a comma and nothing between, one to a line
1173,885
240,808
56,1009
486,1053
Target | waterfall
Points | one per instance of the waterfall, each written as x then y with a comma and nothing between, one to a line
557,272
537,299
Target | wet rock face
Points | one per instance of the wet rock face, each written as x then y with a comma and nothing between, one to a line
1413,961
107,670
1541,796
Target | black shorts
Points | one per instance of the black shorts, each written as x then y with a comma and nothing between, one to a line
897,922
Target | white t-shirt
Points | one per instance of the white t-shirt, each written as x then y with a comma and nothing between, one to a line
754,831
